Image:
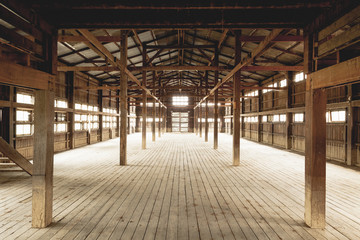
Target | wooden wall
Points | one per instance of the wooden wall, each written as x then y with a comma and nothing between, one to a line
62,140
275,133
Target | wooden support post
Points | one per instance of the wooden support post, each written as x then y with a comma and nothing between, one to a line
315,158
198,120
11,123
71,105
144,107
351,136
288,141
259,128
159,123
289,115
101,117
165,120
242,111
128,119
195,120
315,146
222,119
216,107
201,124
123,98
236,102
259,125
42,198
138,117
153,124
206,109
232,118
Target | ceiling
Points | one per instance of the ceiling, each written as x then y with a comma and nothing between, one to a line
189,23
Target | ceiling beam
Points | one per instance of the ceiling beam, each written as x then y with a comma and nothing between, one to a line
177,68
71,38
190,5
282,38
113,61
261,48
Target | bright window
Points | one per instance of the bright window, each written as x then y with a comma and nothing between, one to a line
253,93
78,126
23,116
299,77
299,117
283,83
61,104
251,119
338,116
264,118
282,117
279,118
180,100
24,125
78,106
276,118
60,127
24,98
24,129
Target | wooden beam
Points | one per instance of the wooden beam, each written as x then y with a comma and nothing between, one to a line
315,145
180,47
281,38
144,99
178,68
160,120
206,109
43,159
262,47
19,41
103,52
18,75
72,38
341,73
123,98
71,104
236,102
216,101
153,124
340,23
315,158
227,5
273,68
62,68
351,149
15,156
348,37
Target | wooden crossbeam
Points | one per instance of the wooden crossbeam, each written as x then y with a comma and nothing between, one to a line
70,38
15,156
113,61
281,38
180,46
15,74
262,47
177,68
342,73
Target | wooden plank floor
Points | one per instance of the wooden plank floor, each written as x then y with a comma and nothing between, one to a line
180,188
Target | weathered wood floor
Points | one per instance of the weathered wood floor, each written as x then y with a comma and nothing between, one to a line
180,188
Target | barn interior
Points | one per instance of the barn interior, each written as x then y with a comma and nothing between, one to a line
179,120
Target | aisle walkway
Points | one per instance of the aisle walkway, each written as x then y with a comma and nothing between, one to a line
180,188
